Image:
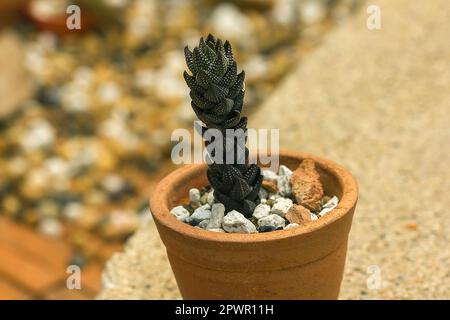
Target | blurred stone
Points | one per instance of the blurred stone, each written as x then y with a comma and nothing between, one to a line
119,225
10,205
312,12
180,213
217,214
200,214
194,196
108,92
39,134
235,222
261,211
284,181
15,82
228,22
203,224
281,206
269,175
50,227
291,226
113,183
272,220
285,12
73,211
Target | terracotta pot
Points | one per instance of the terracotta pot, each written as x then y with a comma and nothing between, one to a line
306,262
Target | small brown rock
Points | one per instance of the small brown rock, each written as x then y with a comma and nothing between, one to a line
411,226
298,214
270,186
306,186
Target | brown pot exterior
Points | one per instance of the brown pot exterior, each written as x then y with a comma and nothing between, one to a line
306,262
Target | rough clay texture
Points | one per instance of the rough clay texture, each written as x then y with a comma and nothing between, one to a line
298,214
378,103
306,186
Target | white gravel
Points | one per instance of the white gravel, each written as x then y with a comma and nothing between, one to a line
272,220
261,211
217,214
235,222
194,196
281,206
201,213
283,182
291,226
180,213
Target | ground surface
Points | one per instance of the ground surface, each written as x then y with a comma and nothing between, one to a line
377,102
34,267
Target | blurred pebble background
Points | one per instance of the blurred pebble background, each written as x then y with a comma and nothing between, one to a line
85,128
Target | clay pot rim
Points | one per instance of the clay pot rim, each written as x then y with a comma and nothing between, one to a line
160,211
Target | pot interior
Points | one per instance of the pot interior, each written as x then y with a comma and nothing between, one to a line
197,179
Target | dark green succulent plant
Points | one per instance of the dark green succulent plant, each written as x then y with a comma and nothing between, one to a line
217,93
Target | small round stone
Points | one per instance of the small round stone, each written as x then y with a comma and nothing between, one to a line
291,226
272,220
217,214
210,198
283,183
203,224
51,227
200,214
261,211
194,196
235,222
180,213
281,206
269,175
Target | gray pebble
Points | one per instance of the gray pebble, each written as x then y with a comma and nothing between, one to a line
284,181
330,205
291,226
203,224
216,230
281,206
263,194
272,220
261,211
235,222
210,198
269,175
200,214
194,196
217,214
180,213
204,198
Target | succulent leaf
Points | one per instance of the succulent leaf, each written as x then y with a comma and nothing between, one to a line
217,93
189,60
